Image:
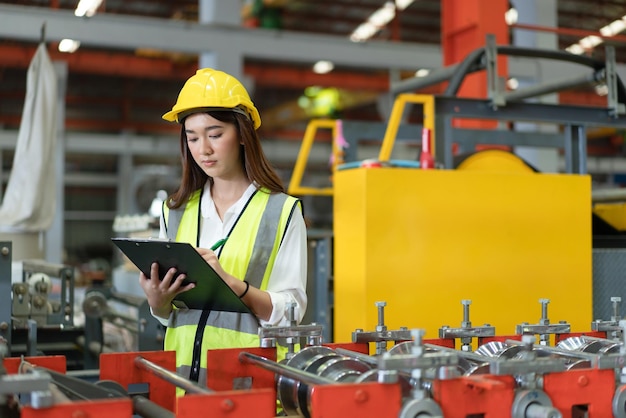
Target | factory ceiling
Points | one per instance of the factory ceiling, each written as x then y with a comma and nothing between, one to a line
111,90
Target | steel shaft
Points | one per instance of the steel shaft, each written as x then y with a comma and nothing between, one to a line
290,372
168,376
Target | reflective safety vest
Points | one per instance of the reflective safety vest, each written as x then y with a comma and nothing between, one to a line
249,254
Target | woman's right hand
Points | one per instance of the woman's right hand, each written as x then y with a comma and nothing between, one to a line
160,293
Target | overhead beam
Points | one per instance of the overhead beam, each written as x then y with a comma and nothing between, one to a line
100,62
163,68
130,33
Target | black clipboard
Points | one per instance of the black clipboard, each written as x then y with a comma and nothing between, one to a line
211,291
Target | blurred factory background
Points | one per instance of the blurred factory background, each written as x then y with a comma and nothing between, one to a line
448,153
130,65
117,66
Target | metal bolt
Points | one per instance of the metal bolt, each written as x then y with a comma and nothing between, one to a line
38,302
381,312
544,308
360,396
528,340
616,300
466,321
417,335
227,405
315,340
418,341
291,313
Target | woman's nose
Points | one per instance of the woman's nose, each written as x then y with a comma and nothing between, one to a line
206,147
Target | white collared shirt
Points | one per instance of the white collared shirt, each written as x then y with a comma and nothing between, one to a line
287,282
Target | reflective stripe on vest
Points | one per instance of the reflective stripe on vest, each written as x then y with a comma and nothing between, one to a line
219,319
177,224
264,243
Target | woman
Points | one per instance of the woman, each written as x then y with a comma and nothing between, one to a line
230,199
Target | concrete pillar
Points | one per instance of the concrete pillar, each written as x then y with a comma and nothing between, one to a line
223,12
541,13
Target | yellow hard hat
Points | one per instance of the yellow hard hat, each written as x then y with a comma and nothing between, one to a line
212,89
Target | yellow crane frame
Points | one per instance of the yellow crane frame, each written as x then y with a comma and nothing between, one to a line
400,103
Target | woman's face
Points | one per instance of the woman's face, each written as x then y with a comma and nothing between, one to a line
214,145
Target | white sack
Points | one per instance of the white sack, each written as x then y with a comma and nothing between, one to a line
30,198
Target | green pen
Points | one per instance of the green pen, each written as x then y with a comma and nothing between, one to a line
218,244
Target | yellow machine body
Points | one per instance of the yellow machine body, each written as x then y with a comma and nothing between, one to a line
424,240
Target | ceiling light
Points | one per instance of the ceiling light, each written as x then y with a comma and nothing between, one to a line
602,89
422,72
512,83
323,67
403,4
383,15
575,49
363,32
613,28
87,8
510,16
377,20
68,45
591,41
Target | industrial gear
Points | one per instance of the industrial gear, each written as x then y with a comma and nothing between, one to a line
211,89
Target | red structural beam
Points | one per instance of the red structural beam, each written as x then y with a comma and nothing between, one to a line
165,68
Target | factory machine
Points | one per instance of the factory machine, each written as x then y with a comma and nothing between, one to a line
542,370
507,368
38,314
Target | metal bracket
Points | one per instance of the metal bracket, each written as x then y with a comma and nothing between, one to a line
610,76
494,82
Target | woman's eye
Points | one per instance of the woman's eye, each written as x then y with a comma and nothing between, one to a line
192,139
215,136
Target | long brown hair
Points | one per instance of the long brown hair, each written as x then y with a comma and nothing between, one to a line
255,164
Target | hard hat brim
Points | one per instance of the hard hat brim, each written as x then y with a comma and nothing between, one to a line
171,116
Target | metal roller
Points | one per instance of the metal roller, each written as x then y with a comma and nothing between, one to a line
336,368
287,387
343,369
587,344
533,404
406,347
497,349
301,390
314,365
501,350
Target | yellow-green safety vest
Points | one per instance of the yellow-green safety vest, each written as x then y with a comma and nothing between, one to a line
249,254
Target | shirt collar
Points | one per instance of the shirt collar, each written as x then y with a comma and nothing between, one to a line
207,208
